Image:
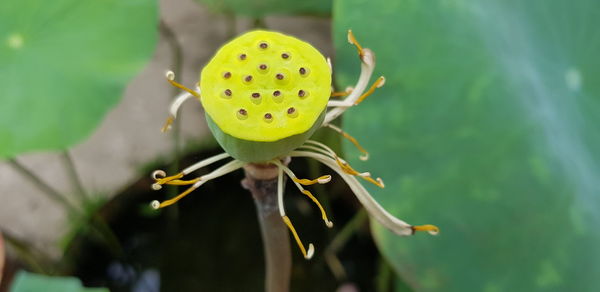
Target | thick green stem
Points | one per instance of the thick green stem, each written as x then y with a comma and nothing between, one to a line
261,181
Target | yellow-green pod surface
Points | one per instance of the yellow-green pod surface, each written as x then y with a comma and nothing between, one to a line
264,94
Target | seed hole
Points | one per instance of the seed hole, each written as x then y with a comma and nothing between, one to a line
285,56
268,117
279,76
303,71
227,75
256,95
242,114
262,67
243,56
263,45
248,78
292,112
276,93
227,92
302,93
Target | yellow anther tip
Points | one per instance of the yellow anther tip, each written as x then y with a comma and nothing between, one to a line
311,251
155,204
431,229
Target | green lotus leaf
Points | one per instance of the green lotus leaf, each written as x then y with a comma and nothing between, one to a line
64,64
489,127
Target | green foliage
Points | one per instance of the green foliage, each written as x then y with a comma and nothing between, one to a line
262,8
489,127
28,282
65,63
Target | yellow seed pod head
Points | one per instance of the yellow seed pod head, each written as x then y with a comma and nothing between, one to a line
265,91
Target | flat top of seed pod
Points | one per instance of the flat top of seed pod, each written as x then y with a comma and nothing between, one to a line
265,86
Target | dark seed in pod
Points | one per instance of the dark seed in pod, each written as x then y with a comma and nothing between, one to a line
248,78
291,110
268,116
276,93
301,93
228,92
256,95
263,45
243,112
243,56
302,70
285,55
227,75
262,67
279,76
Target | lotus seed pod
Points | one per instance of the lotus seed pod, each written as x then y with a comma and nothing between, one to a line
264,94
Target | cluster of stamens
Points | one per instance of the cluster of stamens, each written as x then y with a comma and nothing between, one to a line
310,149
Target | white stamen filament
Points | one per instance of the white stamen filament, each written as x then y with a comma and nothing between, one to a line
373,208
366,70
204,163
177,102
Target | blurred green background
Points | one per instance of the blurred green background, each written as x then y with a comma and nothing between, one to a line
488,126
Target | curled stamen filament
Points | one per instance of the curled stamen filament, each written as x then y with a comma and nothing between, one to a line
160,177
365,154
311,249
296,181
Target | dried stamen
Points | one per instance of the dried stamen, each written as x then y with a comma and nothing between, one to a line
307,182
171,79
352,40
365,154
377,84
